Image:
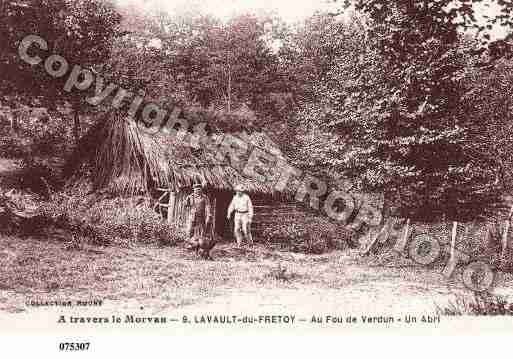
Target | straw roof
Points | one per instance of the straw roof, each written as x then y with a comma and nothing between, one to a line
116,156
189,165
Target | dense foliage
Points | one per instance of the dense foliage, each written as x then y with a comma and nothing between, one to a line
308,234
80,31
407,99
393,106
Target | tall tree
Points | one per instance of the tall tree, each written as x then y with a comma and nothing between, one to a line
399,109
490,95
80,31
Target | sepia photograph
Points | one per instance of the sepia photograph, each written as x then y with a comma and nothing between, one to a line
217,166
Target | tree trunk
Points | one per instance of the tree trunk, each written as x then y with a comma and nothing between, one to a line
171,208
386,223
386,212
406,231
13,121
229,90
453,240
76,126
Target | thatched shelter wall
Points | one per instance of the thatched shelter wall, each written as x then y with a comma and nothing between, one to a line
116,156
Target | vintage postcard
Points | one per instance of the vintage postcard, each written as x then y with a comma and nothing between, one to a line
212,167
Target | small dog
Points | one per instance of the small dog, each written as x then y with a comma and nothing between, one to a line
203,246
206,247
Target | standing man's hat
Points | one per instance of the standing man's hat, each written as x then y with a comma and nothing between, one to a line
197,185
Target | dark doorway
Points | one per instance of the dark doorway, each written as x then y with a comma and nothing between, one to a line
224,227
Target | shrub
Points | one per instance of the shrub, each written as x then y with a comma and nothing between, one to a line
121,221
480,304
307,234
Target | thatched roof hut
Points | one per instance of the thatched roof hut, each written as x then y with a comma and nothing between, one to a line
116,156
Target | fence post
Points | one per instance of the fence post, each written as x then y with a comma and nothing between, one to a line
505,236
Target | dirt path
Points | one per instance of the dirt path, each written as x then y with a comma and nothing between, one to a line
173,282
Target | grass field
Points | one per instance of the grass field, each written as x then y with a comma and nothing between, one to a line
250,279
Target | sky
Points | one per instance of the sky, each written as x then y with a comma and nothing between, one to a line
289,10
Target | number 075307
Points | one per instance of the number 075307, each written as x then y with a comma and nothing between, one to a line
74,346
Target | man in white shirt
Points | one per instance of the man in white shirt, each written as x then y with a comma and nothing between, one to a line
241,204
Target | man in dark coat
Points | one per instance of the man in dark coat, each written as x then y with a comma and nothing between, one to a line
199,215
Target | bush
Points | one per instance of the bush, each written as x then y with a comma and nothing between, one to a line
480,304
120,221
308,234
